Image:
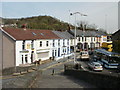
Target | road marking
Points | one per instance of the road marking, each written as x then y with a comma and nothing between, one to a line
9,77
83,68
78,56
55,65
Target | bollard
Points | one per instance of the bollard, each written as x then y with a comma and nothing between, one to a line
20,72
76,66
27,70
53,72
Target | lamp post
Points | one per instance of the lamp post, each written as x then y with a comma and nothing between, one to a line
83,37
75,33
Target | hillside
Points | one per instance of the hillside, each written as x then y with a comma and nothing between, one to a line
44,22
39,22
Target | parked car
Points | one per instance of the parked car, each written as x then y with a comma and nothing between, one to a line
96,66
90,52
84,55
95,58
119,68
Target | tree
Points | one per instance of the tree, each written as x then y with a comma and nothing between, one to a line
102,30
86,25
82,24
92,26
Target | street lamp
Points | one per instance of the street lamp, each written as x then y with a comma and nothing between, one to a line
75,32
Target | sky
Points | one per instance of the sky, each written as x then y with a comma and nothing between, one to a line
102,14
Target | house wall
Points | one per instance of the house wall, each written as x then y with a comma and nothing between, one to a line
1,53
8,52
42,50
119,15
103,39
60,51
89,40
18,49
20,52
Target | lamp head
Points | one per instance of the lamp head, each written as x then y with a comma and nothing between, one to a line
71,14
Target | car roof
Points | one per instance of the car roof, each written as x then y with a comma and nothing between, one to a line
96,62
84,51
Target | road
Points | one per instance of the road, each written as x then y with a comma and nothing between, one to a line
84,64
47,79
50,75
53,77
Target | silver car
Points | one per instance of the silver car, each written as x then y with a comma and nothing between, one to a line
96,66
84,55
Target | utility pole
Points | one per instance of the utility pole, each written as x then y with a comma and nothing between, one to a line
75,34
83,36
106,22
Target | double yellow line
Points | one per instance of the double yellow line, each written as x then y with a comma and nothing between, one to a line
55,65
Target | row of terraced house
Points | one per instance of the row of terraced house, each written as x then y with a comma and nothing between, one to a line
25,46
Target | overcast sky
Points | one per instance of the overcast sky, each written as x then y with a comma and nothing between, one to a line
103,14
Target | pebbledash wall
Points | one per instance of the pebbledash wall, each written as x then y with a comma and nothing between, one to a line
8,51
1,57
20,52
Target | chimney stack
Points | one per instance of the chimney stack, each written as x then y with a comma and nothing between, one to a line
24,26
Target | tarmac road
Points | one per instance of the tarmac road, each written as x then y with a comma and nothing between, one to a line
53,77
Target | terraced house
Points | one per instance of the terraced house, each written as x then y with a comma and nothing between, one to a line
89,40
25,46
64,43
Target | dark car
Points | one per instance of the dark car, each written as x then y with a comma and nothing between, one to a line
94,58
119,68
90,52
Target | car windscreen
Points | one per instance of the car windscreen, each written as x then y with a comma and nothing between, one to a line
97,65
84,52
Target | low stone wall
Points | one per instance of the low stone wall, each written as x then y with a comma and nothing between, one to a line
8,71
97,79
11,70
22,68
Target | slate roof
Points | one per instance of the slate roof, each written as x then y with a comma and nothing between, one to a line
63,34
88,33
30,34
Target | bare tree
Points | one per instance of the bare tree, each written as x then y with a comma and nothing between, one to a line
86,25
92,26
80,24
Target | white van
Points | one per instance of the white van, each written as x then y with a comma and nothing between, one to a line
84,55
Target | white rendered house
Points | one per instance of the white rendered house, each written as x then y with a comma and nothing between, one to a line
32,45
89,40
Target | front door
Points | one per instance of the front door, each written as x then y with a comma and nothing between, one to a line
58,52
